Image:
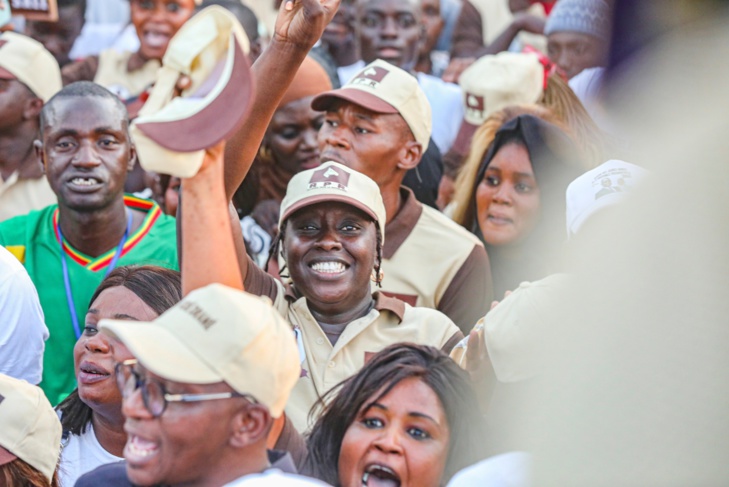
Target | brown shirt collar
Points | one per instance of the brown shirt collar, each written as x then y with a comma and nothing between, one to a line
394,305
399,228
382,302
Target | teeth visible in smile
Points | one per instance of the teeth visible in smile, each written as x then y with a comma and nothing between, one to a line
84,181
328,267
141,448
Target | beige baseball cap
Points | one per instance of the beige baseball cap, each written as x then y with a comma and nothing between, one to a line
385,88
494,82
29,427
334,182
27,61
171,132
218,334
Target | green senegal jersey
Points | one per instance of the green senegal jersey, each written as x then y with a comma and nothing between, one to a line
32,238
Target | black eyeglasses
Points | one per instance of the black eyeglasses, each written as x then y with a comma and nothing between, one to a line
154,395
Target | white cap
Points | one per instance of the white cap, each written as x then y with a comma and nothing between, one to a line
598,188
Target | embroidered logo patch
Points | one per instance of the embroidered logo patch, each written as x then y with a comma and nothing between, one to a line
371,76
329,177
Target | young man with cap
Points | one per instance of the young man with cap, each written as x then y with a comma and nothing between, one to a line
209,376
30,435
394,31
68,248
29,77
379,124
578,35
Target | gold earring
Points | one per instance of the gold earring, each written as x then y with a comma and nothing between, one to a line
264,154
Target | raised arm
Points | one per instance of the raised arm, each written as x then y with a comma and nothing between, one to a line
299,25
208,251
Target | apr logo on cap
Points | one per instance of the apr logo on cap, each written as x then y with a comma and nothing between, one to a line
371,76
475,105
329,177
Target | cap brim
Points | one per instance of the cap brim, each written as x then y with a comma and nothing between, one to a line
327,198
6,456
462,144
5,74
358,97
161,352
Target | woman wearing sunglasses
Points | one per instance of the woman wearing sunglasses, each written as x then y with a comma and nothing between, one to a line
93,425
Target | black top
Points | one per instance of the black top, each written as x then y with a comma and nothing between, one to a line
115,474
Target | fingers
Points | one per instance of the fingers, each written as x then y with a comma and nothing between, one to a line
494,304
183,83
473,351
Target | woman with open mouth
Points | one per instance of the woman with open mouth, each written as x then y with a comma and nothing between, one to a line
93,425
128,74
408,418
512,193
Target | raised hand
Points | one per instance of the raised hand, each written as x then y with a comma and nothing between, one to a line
302,22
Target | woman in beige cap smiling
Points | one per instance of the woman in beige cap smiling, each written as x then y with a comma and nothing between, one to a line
331,232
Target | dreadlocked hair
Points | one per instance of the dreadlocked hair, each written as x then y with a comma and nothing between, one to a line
378,264
274,248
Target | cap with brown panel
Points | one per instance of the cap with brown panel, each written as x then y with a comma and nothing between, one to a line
218,334
29,427
334,182
384,88
172,132
494,82
26,60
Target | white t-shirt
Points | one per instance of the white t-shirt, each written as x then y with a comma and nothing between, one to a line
82,454
275,478
446,104
23,329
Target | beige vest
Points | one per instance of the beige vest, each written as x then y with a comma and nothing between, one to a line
112,74
423,267
325,365
20,196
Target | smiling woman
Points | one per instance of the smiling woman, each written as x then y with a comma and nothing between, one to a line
91,416
331,236
127,74
407,418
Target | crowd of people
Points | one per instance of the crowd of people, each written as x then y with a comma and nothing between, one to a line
296,242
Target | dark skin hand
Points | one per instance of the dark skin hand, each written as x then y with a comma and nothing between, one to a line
522,22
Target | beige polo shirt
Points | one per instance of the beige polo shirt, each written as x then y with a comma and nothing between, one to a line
114,73
19,196
431,261
324,365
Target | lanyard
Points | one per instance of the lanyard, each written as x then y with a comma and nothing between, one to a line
67,280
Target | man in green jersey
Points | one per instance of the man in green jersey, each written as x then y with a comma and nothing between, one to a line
68,248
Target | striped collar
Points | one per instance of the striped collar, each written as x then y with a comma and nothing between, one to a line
95,264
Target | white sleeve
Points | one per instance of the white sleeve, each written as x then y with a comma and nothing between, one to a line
23,330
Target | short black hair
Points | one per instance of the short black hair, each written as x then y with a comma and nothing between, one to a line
72,3
82,89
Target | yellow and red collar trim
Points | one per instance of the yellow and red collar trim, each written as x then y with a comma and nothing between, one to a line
95,264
